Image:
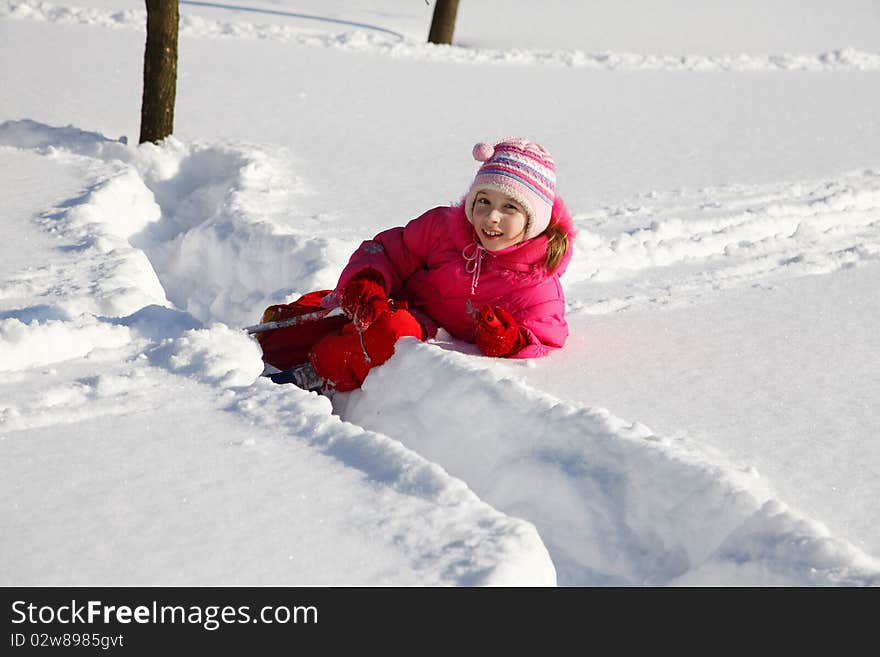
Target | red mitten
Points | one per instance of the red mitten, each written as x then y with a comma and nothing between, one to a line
364,299
497,332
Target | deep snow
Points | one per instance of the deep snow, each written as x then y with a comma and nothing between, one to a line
711,421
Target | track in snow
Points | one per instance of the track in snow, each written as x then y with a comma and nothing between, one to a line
614,503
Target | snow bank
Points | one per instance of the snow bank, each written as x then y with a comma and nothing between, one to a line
380,41
614,503
227,244
208,226
217,355
120,206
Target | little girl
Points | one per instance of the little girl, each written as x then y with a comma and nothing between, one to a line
486,270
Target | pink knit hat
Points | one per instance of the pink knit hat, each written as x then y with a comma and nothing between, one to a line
521,169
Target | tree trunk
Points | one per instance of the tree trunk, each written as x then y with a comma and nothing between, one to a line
443,22
160,70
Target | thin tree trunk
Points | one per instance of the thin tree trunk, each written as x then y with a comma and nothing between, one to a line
160,70
443,21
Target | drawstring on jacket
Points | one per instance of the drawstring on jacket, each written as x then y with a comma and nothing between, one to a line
473,263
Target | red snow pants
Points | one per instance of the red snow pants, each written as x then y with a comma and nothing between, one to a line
332,344
341,358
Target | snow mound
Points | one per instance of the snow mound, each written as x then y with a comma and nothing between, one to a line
119,207
614,503
378,40
227,244
217,355
23,346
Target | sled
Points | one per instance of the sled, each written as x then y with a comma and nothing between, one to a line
289,331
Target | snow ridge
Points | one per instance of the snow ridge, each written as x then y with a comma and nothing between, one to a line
382,42
614,503
724,237
96,227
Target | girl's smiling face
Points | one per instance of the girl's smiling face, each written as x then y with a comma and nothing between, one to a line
499,220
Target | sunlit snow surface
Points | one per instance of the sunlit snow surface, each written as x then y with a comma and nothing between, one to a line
712,420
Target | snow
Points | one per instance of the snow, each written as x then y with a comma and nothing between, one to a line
712,419
483,46
614,503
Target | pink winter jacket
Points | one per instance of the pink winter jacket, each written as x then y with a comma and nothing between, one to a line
436,263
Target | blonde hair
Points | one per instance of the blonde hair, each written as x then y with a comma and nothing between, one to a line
557,246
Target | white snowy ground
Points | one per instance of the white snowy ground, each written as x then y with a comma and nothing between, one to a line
713,420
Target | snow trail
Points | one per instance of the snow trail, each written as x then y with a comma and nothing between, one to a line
696,242
215,223
613,503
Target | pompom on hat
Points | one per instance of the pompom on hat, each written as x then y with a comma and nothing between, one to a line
523,170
